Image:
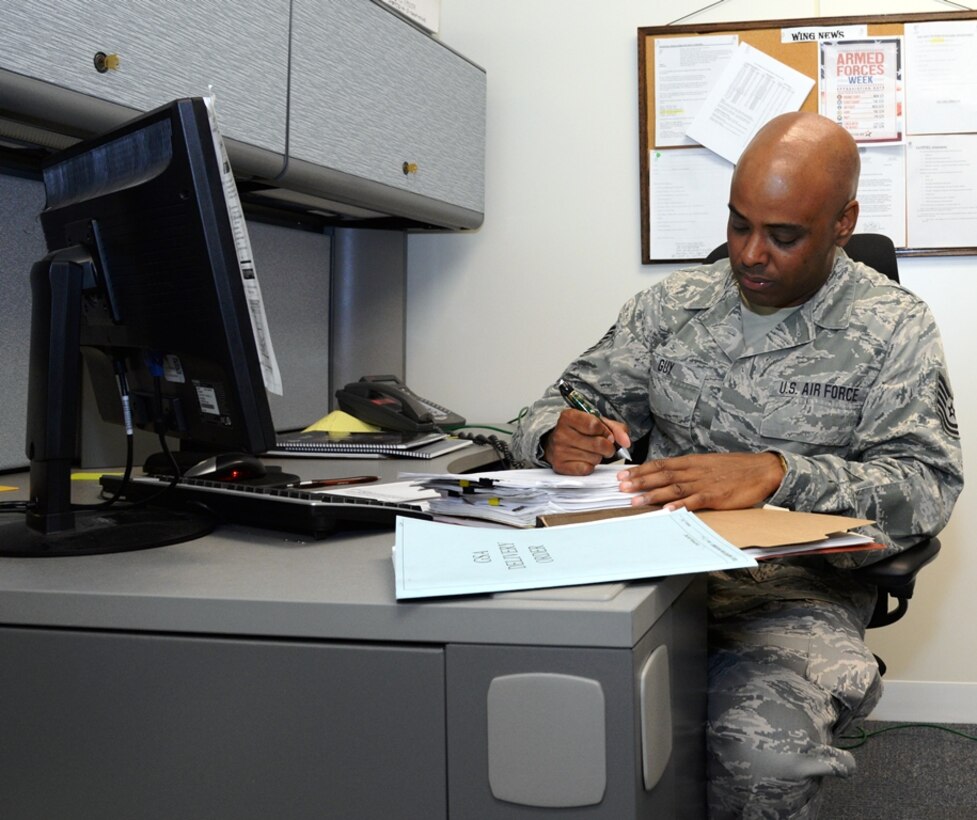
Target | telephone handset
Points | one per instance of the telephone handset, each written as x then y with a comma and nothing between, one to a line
389,403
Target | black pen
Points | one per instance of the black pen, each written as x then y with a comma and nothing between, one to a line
575,399
322,483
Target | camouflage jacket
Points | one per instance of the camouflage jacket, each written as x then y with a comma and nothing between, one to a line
851,389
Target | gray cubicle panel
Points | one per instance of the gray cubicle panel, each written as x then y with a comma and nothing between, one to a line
294,270
21,244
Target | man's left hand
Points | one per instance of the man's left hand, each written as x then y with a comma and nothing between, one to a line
708,481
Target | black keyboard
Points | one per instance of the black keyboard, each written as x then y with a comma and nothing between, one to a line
313,514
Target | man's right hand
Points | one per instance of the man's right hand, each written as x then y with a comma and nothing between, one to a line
580,441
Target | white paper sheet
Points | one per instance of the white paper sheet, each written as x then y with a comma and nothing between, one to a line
435,559
941,76
685,69
687,202
753,89
942,191
394,492
270,372
882,192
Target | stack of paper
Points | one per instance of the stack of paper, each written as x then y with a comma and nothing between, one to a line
518,497
525,498
434,559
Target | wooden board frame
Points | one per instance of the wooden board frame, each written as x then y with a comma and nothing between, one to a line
765,36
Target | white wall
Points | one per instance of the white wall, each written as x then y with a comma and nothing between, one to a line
494,316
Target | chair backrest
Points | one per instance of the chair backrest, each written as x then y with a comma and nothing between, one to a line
873,249
876,251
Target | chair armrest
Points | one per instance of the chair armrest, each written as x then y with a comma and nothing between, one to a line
895,577
900,569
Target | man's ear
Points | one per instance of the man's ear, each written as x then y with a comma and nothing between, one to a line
845,226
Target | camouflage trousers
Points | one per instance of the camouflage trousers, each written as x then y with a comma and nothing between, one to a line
784,679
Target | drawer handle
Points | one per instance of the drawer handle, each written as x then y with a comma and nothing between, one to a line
410,168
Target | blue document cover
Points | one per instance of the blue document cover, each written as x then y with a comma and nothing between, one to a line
434,559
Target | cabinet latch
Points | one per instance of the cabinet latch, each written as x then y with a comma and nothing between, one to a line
105,62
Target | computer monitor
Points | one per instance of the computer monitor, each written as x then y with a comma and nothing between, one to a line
146,279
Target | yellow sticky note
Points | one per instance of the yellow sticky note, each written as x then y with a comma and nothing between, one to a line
340,422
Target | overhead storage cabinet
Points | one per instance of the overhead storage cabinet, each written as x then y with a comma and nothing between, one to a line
384,104
376,118
153,52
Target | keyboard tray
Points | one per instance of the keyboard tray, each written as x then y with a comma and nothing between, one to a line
312,514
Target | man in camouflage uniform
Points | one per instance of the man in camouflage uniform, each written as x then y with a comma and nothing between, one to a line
790,375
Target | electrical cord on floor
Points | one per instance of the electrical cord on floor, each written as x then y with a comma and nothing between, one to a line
862,736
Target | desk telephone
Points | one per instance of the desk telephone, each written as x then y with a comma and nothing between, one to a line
389,403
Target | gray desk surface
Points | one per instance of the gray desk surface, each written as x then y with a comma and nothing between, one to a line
251,582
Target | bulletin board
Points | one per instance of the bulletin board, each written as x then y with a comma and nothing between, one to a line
921,212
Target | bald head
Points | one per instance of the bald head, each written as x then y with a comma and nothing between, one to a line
791,204
807,151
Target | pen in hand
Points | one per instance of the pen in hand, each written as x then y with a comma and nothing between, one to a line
575,399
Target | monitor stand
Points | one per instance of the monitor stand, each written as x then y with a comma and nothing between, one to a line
106,531
52,525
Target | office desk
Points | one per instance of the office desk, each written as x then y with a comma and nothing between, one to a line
253,675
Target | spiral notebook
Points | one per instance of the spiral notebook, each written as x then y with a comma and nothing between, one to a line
323,443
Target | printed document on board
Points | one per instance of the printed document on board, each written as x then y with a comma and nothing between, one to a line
942,190
685,69
754,88
861,87
882,192
941,77
687,210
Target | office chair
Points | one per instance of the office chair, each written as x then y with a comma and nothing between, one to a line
895,576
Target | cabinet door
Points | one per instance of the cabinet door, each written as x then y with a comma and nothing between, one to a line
574,731
112,726
165,50
376,98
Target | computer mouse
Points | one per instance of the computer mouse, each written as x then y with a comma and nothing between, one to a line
228,467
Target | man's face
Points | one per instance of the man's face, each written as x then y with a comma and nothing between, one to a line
782,233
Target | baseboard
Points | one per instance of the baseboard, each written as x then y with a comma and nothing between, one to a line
927,702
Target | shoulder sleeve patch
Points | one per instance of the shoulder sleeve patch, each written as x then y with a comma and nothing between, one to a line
945,409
